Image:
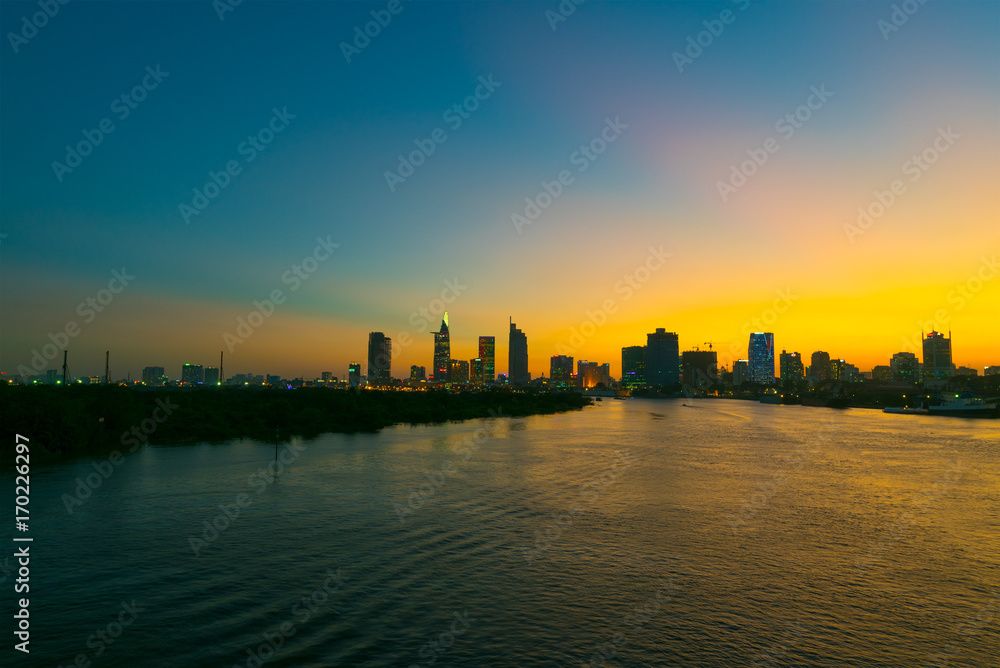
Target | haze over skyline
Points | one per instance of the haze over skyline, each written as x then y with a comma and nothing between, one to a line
631,155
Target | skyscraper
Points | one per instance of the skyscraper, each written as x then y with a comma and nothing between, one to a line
819,366
211,375
379,358
662,358
634,367
741,373
905,368
417,372
700,368
487,352
791,368
476,371
517,357
354,374
761,355
192,374
153,375
560,370
442,351
937,356
458,371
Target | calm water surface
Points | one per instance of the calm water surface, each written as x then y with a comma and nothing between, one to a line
632,533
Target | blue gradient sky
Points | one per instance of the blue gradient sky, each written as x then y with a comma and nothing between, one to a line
656,185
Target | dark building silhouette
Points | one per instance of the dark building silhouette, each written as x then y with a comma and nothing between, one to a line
741,373
476,372
560,370
211,375
517,357
792,369
937,356
487,352
634,367
905,368
700,368
662,359
442,351
418,372
819,367
192,374
153,375
458,371
354,374
379,358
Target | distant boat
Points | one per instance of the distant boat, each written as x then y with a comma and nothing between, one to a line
905,410
965,407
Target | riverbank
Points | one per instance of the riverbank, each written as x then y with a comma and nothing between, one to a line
71,421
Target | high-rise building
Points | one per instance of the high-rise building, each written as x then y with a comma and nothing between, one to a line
966,371
634,367
354,374
211,375
458,372
993,370
844,372
700,368
487,351
741,373
517,357
560,370
882,373
418,372
154,375
662,359
379,359
905,368
819,366
937,356
476,371
761,355
791,369
192,374
442,351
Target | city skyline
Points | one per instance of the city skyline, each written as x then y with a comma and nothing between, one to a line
737,192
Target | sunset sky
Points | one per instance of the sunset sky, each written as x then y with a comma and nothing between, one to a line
789,233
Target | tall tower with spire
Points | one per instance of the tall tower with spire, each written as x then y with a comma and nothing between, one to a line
442,351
